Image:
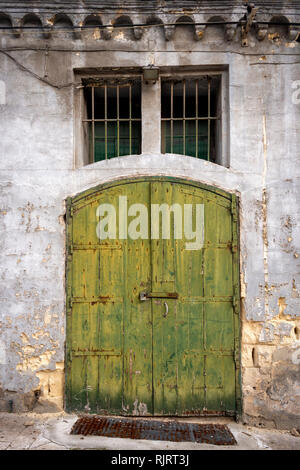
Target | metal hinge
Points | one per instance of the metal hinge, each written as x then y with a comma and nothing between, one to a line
236,299
234,208
69,207
238,414
236,304
70,212
69,356
237,359
234,246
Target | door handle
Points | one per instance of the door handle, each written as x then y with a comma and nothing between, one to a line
166,311
158,295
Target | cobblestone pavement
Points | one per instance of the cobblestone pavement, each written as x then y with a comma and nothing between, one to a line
31,431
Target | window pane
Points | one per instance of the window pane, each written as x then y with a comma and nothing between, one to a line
124,102
165,137
214,139
215,96
166,100
111,102
111,139
88,100
124,148
190,98
190,138
136,101
99,141
178,100
202,139
90,142
99,102
136,137
202,97
178,137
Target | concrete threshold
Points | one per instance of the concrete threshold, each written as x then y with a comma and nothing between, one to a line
34,431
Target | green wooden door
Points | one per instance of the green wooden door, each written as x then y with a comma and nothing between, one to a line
152,327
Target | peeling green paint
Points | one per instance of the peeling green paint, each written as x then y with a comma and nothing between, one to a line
176,352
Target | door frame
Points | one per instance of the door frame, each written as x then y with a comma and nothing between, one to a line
89,193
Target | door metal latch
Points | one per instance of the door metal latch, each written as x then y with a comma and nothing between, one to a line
158,295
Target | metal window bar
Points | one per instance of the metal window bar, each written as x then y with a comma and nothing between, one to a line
183,92
172,94
93,124
118,122
130,123
208,121
196,123
196,119
106,120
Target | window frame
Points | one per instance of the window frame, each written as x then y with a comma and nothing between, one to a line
105,84
221,140
209,117
151,110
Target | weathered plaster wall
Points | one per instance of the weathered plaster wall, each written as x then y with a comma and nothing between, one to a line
38,171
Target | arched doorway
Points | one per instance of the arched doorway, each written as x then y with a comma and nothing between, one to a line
153,299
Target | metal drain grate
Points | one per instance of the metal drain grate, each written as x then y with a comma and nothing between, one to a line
217,434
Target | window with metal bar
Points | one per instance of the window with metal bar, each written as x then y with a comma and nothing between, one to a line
190,116
113,117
